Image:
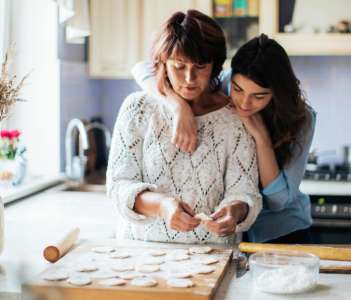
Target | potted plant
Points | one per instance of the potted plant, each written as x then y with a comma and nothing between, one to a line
9,92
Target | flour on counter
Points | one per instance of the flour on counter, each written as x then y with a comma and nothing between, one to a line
286,280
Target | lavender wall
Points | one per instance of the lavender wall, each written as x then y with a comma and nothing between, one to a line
81,97
325,80
327,83
113,94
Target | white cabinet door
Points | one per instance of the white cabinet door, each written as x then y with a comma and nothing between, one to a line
116,37
156,12
122,31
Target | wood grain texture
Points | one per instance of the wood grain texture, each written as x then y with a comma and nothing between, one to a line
204,285
323,252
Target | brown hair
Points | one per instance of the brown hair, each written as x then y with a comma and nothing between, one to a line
287,116
194,35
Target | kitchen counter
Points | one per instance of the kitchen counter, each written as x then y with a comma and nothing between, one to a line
323,188
31,224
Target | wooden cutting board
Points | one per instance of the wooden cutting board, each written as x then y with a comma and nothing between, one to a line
204,285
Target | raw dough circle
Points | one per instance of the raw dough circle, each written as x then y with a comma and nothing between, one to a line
129,275
143,281
79,280
119,255
180,274
156,252
205,270
200,250
178,257
153,261
103,249
122,267
179,251
209,260
104,275
112,282
179,283
56,275
85,268
148,268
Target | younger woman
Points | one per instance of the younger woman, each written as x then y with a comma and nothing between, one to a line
266,95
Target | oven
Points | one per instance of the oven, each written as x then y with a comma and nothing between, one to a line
331,216
328,182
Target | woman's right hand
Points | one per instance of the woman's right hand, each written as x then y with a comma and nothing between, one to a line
179,215
184,135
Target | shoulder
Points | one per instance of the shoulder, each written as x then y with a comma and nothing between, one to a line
230,119
229,123
136,110
137,102
137,105
309,131
225,75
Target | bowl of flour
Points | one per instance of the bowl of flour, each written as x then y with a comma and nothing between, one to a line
284,272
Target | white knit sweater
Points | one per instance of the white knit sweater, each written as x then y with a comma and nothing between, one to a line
222,169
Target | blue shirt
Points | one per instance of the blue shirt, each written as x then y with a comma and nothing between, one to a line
285,208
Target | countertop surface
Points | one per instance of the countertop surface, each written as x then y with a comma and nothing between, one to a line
33,223
325,188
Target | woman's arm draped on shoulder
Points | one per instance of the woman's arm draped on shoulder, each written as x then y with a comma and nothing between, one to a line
124,173
184,134
284,189
143,74
225,78
241,177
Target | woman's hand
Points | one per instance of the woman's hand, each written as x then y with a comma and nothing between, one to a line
256,127
226,218
179,215
184,135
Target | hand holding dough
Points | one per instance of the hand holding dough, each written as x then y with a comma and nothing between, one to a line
203,217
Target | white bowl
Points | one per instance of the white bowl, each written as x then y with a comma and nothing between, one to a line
284,272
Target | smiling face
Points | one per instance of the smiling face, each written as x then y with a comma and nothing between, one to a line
247,96
188,79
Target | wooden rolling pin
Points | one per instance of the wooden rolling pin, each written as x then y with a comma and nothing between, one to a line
324,252
55,251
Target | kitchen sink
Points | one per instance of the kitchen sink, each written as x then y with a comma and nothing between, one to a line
84,187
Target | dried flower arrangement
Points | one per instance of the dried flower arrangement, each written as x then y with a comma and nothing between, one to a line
9,89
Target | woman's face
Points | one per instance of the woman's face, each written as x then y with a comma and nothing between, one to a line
188,79
248,97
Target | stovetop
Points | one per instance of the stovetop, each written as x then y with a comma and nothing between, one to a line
329,173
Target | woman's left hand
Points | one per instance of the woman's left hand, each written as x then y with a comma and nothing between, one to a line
256,127
226,218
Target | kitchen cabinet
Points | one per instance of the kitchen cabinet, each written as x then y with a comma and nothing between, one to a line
122,31
116,35
301,41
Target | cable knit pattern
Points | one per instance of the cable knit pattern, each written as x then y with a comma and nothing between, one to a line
222,169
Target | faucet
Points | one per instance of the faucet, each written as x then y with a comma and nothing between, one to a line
104,129
75,165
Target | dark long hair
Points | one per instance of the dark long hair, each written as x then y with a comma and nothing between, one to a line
194,35
287,116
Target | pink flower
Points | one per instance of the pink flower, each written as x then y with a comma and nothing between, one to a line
5,133
14,134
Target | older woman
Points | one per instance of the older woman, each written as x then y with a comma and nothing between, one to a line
159,189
